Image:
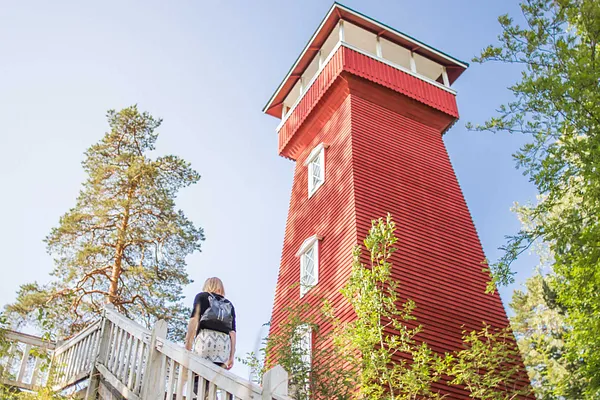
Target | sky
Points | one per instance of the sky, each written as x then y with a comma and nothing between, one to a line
207,68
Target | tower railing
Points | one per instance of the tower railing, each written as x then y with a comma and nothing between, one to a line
22,367
117,355
73,359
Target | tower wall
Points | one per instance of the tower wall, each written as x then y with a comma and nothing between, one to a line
329,213
401,166
383,128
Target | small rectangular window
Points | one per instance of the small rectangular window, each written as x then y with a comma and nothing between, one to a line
302,347
359,37
308,269
428,68
309,264
305,344
316,169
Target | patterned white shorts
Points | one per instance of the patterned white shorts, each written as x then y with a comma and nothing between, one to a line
213,345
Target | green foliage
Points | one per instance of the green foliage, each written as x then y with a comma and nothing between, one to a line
4,352
6,355
557,104
4,343
44,393
392,363
323,377
489,367
541,331
379,355
124,240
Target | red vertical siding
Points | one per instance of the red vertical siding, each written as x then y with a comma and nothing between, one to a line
350,61
401,166
314,93
328,213
385,154
400,81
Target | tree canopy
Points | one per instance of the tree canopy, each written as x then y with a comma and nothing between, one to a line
124,241
557,105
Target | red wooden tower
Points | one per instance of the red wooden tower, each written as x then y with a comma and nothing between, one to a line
363,111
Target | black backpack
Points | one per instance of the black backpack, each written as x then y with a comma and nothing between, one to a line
218,312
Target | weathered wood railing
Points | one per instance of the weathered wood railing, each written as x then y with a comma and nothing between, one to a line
122,355
73,359
119,355
22,366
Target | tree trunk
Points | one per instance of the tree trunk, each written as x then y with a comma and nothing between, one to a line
120,248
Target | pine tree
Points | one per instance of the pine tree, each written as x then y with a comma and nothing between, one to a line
124,241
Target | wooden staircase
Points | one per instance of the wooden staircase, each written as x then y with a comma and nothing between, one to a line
116,358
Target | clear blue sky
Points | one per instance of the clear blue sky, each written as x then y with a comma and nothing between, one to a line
207,68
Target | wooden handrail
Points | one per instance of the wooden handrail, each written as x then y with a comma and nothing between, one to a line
32,340
139,363
77,338
21,348
222,378
132,327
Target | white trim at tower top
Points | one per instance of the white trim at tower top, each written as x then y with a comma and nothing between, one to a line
384,28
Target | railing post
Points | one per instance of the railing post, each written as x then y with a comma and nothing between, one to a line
153,383
24,362
100,356
275,381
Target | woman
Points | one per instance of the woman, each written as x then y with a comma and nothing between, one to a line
211,330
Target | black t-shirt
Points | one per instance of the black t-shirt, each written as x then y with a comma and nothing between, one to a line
201,301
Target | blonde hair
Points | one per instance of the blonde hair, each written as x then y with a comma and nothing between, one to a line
214,285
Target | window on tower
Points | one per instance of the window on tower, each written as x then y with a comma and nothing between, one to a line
302,347
316,169
309,264
304,343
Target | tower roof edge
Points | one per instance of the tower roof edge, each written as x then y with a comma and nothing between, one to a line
339,11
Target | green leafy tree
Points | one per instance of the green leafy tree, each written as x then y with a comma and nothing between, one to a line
124,241
378,355
541,328
4,345
541,331
9,355
381,335
392,362
489,366
557,105
316,371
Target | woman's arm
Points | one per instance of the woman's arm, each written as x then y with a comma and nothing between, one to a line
191,330
232,354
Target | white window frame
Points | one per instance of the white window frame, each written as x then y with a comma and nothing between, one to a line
316,155
304,344
310,243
